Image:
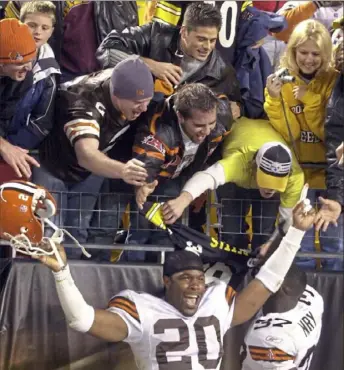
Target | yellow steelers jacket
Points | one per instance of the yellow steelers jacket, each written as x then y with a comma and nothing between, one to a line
306,120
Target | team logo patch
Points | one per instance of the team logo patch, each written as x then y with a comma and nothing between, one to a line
155,143
272,339
23,208
15,56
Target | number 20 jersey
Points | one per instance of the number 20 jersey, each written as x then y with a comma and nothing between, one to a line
285,340
161,338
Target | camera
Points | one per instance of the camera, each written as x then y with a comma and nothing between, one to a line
284,76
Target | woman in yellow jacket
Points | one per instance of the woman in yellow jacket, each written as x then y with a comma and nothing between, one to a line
297,109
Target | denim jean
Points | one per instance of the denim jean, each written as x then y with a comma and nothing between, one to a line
113,199
236,203
75,203
331,241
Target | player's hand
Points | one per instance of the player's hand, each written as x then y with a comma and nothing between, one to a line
235,108
167,72
274,86
173,209
299,91
340,154
18,158
134,173
303,220
51,261
143,192
328,214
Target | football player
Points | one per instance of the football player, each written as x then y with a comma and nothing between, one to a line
185,329
287,329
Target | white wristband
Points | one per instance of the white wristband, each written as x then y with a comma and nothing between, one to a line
273,272
79,314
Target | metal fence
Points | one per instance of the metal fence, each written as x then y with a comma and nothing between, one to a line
102,221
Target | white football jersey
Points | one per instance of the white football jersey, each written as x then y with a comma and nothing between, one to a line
161,338
287,340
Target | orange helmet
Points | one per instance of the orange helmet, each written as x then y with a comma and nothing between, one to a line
23,208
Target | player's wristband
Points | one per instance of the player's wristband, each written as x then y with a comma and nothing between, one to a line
272,273
79,314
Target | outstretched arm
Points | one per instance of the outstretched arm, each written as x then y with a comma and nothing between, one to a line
272,273
210,179
81,316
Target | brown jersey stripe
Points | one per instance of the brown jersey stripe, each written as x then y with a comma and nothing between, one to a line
230,293
125,305
126,309
269,354
125,301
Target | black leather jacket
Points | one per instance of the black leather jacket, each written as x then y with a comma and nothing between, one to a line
114,15
334,136
159,42
159,142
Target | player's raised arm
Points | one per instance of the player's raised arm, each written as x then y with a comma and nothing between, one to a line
272,273
80,315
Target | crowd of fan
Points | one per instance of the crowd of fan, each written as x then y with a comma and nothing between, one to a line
145,98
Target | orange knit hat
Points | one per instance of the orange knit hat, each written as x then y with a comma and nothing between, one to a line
16,42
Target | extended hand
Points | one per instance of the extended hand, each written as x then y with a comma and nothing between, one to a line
18,158
51,261
303,220
134,172
143,192
173,209
329,213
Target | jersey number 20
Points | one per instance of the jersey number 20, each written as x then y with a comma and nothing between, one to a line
184,342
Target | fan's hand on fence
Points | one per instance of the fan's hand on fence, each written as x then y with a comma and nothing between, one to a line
18,158
143,192
328,214
302,219
274,86
51,261
134,172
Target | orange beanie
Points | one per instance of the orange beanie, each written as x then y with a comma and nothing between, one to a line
16,42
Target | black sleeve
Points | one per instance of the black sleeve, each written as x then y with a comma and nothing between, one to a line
135,40
334,136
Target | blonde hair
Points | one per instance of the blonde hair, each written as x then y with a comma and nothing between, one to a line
45,7
304,31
